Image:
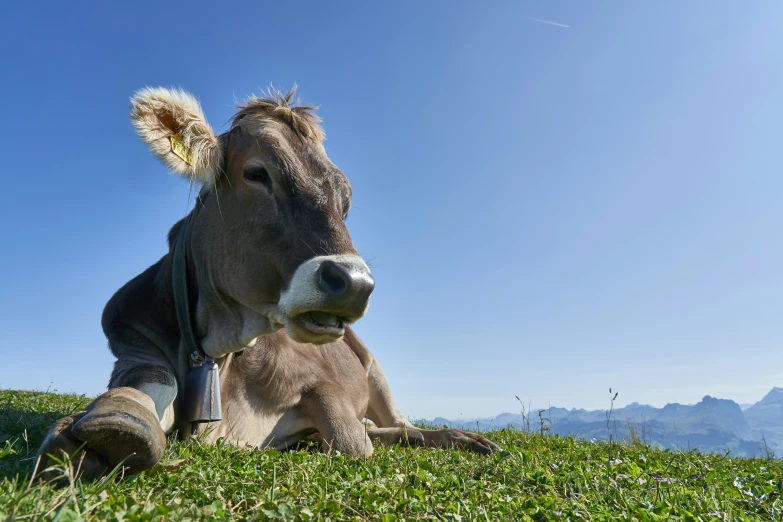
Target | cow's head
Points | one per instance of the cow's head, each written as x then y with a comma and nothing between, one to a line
269,246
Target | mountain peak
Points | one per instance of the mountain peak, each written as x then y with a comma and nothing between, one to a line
774,395
715,402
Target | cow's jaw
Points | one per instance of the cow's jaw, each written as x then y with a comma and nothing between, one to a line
308,327
322,323
306,311
231,332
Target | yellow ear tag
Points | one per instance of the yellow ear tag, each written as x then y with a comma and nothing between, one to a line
178,148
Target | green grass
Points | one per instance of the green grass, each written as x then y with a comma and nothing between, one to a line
535,478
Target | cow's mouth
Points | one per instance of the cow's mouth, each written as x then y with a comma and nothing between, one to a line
322,323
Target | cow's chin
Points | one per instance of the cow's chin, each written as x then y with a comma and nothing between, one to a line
315,327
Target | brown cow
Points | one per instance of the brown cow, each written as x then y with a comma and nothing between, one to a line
273,281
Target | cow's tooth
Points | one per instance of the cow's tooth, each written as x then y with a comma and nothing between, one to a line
324,319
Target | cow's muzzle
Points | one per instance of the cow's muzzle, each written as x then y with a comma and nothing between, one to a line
325,294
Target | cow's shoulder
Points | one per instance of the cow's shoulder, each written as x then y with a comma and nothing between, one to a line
141,312
359,349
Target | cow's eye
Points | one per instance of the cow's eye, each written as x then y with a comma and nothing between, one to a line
258,175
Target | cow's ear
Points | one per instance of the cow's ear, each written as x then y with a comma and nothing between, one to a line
172,124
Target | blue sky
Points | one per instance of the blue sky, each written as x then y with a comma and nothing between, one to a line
549,211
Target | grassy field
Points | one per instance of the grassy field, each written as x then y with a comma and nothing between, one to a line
535,478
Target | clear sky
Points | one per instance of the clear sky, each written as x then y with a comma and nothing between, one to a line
549,209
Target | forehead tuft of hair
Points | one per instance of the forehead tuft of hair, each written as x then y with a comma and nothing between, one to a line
284,107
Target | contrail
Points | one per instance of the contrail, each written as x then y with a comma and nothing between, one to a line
549,22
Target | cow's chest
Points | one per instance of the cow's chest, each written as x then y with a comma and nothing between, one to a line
264,391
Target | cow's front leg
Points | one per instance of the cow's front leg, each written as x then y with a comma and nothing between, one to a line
329,408
393,428
447,438
123,425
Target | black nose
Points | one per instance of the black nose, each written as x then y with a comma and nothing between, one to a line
345,284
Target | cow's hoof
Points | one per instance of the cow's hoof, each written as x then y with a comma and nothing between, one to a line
121,430
60,443
401,435
460,439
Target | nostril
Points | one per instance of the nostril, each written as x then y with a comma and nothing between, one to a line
332,278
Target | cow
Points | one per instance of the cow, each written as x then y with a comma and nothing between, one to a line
269,284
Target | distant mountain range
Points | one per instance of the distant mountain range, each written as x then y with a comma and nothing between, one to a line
712,425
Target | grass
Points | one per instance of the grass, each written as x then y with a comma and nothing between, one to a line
536,477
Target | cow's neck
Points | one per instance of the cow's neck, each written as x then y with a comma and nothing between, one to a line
226,331
223,325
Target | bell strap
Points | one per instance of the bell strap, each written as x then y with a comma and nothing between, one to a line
179,274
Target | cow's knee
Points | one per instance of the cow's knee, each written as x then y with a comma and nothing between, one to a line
348,438
330,409
119,427
157,382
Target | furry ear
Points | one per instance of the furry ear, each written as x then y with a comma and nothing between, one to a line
172,124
